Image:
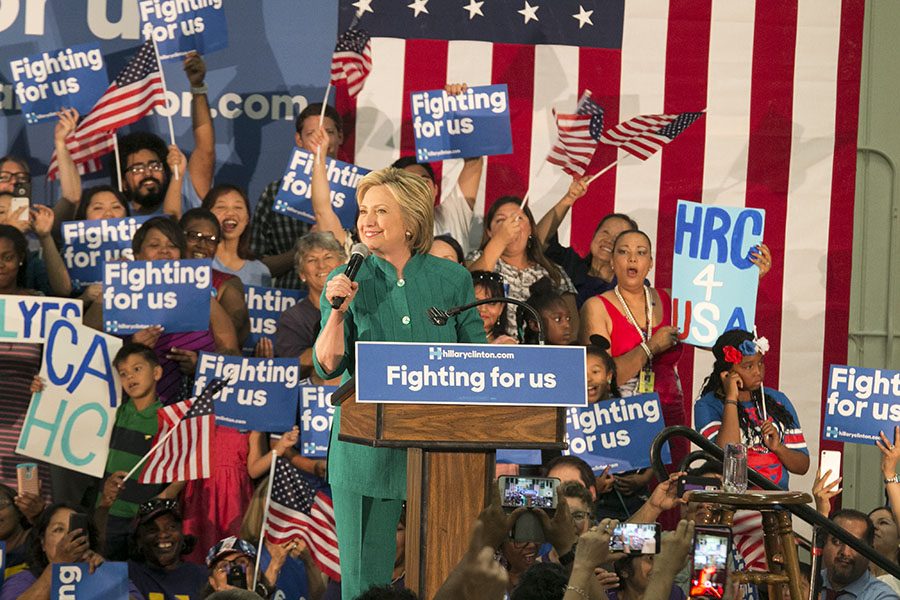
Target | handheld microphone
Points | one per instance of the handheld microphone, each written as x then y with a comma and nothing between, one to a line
358,254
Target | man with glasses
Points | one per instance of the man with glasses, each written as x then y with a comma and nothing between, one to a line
578,498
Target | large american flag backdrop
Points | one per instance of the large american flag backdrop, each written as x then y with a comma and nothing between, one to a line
779,80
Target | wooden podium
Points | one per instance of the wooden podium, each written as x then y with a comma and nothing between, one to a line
450,467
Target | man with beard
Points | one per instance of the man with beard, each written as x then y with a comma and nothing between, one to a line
148,165
846,574
156,567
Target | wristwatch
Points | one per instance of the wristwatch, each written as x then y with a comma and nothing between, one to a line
199,90
894,479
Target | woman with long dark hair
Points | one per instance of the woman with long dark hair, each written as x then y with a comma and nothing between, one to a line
510,248
230,205
734,407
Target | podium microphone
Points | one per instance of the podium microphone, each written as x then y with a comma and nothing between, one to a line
358,254
440,317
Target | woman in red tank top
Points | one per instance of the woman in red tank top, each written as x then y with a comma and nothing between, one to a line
637,320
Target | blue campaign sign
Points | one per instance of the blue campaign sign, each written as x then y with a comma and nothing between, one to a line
75,581
859,403
474,123
616,433
172,293
294,196
470,374
714,284
44,83
265,306
179,27
88,245
261,394
315,418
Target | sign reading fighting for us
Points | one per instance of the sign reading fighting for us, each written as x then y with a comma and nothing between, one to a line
27,318
434,373
616,433
859,403
261,394
172,293
45,83
474,123
714,284
88,245
70,422
315,418
294,197
179,26
265,306
74,581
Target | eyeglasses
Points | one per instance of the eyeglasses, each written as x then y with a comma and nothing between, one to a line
7,176
243,562
141,168
199,238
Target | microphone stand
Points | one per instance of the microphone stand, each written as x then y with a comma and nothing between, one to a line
440,317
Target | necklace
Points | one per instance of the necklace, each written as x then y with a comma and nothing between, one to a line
645,336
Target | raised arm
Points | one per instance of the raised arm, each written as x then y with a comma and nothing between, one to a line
326,218
202,164
550,222
42,222
172,201
222,329
69,179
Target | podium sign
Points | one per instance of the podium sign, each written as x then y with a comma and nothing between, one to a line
470,374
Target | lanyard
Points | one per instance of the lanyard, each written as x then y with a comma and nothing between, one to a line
645,336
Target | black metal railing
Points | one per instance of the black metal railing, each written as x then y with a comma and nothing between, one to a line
802,511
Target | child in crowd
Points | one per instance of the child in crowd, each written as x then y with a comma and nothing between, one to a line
734,407
132,437
555,316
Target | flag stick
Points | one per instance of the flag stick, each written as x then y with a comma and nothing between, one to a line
322,118
262,528
162,77
528,191
601,171
151,451
118,159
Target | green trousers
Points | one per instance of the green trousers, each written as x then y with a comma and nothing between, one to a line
367,539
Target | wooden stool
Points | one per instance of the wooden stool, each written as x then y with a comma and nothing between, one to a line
778,535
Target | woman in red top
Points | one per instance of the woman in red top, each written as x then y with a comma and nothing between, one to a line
637,319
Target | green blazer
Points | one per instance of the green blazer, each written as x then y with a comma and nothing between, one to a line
388,309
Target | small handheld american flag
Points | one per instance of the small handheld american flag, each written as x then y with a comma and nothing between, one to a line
133,94
352,60
645,135
577,136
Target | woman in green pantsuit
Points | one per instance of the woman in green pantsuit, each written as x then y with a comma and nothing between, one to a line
389,300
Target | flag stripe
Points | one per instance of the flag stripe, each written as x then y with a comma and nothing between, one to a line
425,69
509,174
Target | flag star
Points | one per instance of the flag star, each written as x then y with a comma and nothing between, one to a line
583,17
362,7
529,12
474,8
418,6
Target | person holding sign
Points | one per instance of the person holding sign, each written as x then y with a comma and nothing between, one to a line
395,286
19,362
273,234
203,233
231,206
53,541
734,407
510,248
637,320
161,238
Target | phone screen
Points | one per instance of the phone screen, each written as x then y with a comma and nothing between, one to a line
712,547
536,492
78,521
830,460
635,538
